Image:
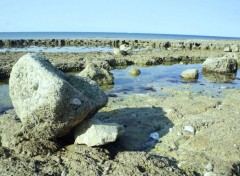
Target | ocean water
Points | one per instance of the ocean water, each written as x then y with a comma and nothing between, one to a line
71,35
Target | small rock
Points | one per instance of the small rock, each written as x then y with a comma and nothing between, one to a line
98,73
210,174
154,136
227,49
95,133
189,128
134,71
209,167
234,48
190,74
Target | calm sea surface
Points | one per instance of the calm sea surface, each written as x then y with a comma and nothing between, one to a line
65,35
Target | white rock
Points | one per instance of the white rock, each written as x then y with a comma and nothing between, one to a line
95,133
209,167
154,135
75,101
189,128
190,74
210,174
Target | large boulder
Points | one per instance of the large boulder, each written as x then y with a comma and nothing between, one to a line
98,72
49,102
224,64
92,132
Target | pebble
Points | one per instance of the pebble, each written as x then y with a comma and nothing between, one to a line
209,167
179,133
154,136
209,174
189,128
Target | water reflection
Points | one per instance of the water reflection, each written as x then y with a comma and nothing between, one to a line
219,78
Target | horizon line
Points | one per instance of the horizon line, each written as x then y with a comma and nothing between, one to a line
200,35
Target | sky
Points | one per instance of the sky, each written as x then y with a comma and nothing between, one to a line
191,17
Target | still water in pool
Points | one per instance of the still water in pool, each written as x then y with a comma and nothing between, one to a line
153,80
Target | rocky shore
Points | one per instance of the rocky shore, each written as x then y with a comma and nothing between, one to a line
232,45
66,125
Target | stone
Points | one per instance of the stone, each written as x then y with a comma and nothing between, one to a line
234,48
125,50
227,49
99,73
92,132
134,71
190,74
189,128
220,65
47,101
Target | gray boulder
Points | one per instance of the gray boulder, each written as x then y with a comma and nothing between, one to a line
98,72
92,132
49,102
190,74
224,64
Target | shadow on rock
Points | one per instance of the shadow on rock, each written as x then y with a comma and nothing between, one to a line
143,127
219,77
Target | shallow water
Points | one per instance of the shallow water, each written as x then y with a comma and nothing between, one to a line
153,80
70,49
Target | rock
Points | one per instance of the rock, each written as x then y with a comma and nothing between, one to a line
95,133
134,71
210,174
227,49
220,65
209,167
189,128
116,51
98,73
47,101
125,50
190,74
234,48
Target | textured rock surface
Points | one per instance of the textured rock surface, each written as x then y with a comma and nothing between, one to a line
98,71
190,74
221,65
48,101
95,133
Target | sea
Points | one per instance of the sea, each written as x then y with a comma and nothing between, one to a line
69,35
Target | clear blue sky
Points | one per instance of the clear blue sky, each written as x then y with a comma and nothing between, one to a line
194,17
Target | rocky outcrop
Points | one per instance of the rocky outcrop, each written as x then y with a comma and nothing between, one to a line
224,64
99,72
190,74
49,102
95,133
122,50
